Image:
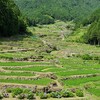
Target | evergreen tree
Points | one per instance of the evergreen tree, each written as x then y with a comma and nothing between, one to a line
93,34
10,19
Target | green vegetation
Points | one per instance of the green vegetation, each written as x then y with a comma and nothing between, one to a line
11,22
1,96
16,74
77,72
44,12
67,94
17,91
86,57
77,35
30,96
79,93
43,96
79,63
77,82
44,81
23,63
93,34
34,68
20,94
55,56
95,91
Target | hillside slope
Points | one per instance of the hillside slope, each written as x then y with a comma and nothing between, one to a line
57,9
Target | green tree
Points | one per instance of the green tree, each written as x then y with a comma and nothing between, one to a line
38,11
93,34
10,19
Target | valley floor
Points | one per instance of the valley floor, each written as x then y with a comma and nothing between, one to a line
53,57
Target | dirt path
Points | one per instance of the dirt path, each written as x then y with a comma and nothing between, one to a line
58,83
20,85
46,69
37,98
20,77
80,76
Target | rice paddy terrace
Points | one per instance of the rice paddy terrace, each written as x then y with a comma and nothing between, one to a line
51,61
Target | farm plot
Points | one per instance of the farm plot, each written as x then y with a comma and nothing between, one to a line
33,68
43,81
23,72
94,91
94,88
16,74
80,81
46,71
79,63
77,72
15,55
25,55
23,63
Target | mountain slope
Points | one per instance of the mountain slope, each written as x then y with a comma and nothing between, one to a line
57,9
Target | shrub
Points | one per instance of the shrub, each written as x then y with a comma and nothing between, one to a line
67,94
89,85
56,95
43,96
13,95
96,58
37,93
1,96
26,91
9,90
64,94
21,96
49,95
79,93
17,91
30,96
46,19
87,57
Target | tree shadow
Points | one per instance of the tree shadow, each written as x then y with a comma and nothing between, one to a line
15,38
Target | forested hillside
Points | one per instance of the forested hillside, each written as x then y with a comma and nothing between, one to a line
11,22
38,10
93,34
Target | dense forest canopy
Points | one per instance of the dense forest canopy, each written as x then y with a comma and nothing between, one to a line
36,10
93,34
11,22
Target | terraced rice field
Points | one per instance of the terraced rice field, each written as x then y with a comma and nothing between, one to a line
44,81
22,69
95,91
43,66
16,74
70,72
77,82
68,69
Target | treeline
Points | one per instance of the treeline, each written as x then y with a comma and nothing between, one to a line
11,21
47,11
93,34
